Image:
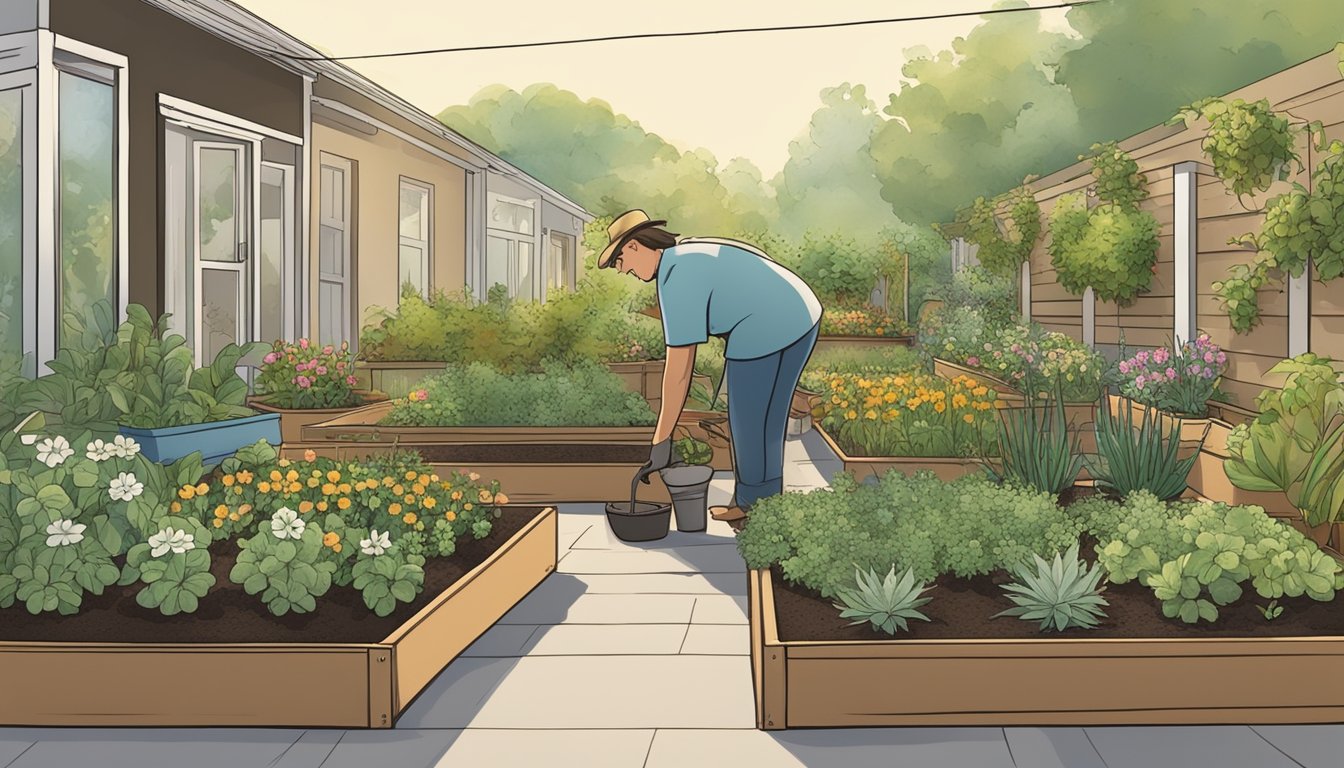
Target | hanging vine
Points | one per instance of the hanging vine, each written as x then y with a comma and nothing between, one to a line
1110,248
1005,244
1251,147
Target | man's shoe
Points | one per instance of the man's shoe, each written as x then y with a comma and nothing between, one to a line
727,514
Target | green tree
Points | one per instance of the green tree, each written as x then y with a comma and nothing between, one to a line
608,162
1144,59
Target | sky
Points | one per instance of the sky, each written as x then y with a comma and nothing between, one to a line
738,95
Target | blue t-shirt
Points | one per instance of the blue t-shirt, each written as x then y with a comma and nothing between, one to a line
709,287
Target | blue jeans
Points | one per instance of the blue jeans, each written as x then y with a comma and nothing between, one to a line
759,393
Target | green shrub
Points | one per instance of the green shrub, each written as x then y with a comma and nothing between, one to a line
967,527
582,395
1110,249
1039,449
993,296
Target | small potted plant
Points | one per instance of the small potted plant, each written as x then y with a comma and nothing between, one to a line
306,383
688,483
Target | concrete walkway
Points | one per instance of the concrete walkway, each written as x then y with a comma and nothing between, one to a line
636,656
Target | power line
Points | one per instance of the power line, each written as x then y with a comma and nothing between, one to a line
658,35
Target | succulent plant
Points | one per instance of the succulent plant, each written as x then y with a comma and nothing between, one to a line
1060,594
885,602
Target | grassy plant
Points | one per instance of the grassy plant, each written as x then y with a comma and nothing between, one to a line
1061,594
885,602
1038,448
1133,457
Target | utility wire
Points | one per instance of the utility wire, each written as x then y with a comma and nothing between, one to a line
657,35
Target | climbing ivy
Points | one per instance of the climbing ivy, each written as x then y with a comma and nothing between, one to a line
1110,248
1248,142
1002,251
1301,227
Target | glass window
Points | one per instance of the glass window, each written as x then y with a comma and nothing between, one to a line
218,213
511,215
274,210
413,229
522,284
86,191
11,229
497,261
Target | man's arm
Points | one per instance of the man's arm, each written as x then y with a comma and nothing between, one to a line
676,385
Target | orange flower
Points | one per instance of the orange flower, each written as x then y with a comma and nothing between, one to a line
221,511
244,476
408,518
334,476
343,503
264,487
322,506
310,455
409,498
227,480
331,538
410,474
336,547
275,475
968,418
218,523
467,506
457,495
175,507
188,492
398,489
501,498
394,508
291,476
328,489
429,502
305,507
450,515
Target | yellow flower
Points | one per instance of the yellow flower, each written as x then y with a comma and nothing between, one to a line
429,502
295,487
343,488
409,498
409,518
238,490
312,482
284,462
291,475
410,474
870,414
418,488
264,487
330,539
473,477
175,507
275,475
959,400
217,523
221,511
968,418
322,506
450,515
433,478
398,489
387,482
244,477
227,480
235,517
851,415
334,476
336,547
422,478
457,495
328,489
467,506
890,397
394,508
305,507
485,496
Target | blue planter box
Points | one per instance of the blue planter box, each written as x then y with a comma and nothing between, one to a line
215,441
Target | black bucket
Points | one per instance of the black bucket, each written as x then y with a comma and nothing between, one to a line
646,522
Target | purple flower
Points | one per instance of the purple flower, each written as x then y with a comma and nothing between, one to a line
1194,370
1222,357
1208,373
1208,357
1139,382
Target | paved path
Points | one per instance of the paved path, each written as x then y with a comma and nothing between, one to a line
636,656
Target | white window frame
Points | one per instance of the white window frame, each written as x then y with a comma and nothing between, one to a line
25,82
346,166
289,268
570,277
538,257
50,47
425,245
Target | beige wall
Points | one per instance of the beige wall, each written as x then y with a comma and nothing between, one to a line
379,163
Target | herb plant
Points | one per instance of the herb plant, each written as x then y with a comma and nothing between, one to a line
1061,594
887,603
1038,448
1143,456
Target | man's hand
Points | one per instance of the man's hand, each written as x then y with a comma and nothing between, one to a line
660,457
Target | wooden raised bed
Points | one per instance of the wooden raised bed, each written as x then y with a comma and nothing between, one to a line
293,685
293,420
538,465
863,467
950,370
828,342
1064,682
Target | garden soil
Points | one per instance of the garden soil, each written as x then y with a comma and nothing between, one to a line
229,615
960,609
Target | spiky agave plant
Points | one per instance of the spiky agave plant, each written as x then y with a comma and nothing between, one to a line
885,602
1061,594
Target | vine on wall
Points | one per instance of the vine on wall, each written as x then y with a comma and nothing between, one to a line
1110,248
1005,244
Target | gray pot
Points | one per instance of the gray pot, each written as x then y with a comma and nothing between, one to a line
689,488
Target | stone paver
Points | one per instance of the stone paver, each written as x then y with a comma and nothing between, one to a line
402,747
1052,748
137,748
714,558
1187,747
511,747
845,748
1313,746
604,640
604,609
717,640
720,609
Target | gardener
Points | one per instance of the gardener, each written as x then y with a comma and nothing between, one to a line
768,317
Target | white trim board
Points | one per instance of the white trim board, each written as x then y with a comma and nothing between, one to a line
349,111
205,118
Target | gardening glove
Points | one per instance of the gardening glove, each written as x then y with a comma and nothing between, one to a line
660,457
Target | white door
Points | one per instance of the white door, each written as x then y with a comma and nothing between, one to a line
333,252
223,246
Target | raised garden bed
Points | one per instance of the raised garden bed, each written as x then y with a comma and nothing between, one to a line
950,370
1197,678
833,341
293,420
863,467
233,664
537,464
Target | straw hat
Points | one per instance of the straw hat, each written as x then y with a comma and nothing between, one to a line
621,230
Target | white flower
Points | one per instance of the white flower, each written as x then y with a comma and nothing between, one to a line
171,538
286,524
54,451
123,447
376,544
63,532
98,451
125,487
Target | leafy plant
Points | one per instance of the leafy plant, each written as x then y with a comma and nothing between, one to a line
175,567
887,603
585,394
285,562
692,451
1271,611
993,295
1061,594
1005,242
305,375
1248,142
1296,445
1138,457
1180,381
387,577
1038,448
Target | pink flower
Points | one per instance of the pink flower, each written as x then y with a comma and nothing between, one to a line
300,366
1016,348
270,358
1142,357
1194,370
321,370
1031,358
340,366
973,361
303,343
1160,355
327,350
1208,357
1139,382
350,380
304,382
1222,358
998,355
1124,366
1171,374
